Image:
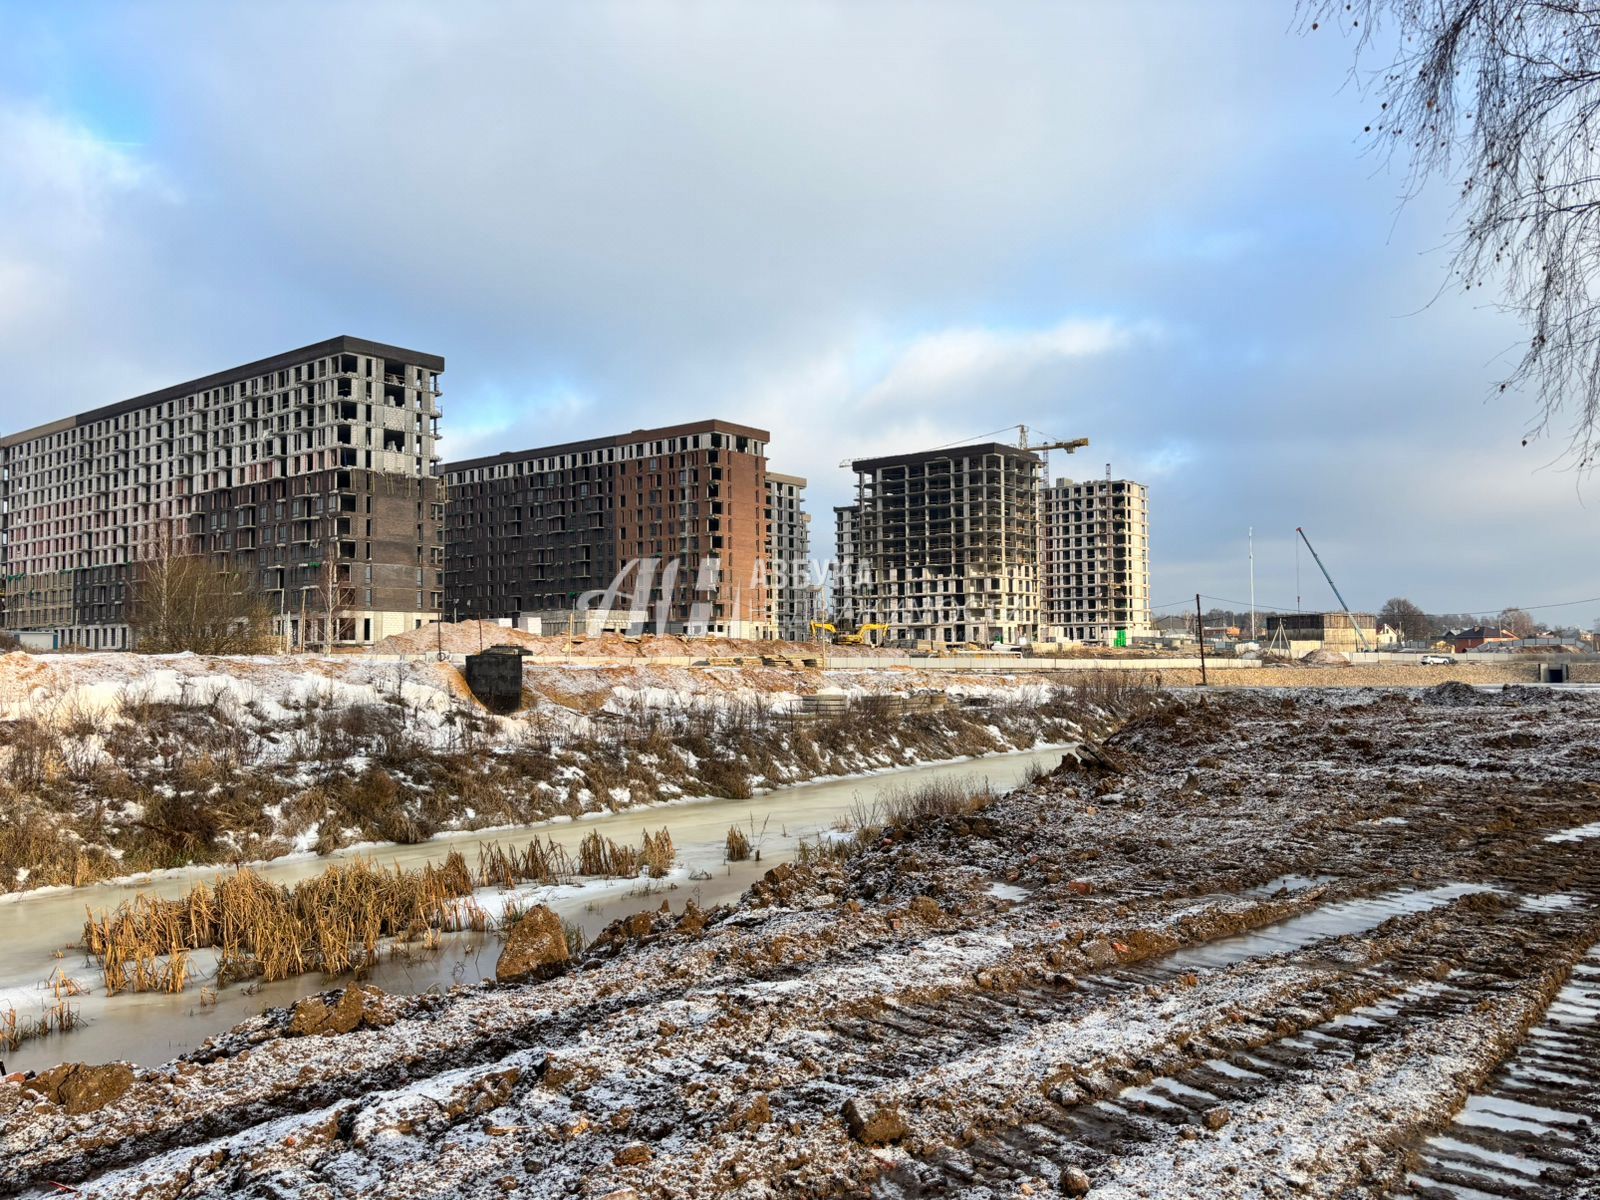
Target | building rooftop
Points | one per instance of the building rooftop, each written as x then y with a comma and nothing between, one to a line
343,344
918,457
711,425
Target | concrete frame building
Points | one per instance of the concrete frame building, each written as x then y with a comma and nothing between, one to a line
944,546
1096,561
841,583
789,556
311,472
671,521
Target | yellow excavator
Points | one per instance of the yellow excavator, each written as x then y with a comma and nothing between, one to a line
856,638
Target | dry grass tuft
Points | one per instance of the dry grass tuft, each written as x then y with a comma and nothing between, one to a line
599,855
537,862
658,853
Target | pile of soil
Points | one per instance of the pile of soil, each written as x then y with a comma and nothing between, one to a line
1324,658
468,637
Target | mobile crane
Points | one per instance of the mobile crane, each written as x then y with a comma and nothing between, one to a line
1361,638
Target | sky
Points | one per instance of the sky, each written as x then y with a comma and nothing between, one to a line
866,227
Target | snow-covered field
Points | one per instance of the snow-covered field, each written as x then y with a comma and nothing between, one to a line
1201,962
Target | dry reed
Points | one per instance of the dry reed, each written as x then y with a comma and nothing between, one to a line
599,855
333,922
59,1017
658,852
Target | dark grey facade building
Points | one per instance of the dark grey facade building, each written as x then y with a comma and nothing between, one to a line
312,472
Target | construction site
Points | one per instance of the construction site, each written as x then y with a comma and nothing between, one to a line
1315,942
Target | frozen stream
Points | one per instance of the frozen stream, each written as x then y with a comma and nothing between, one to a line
151,1028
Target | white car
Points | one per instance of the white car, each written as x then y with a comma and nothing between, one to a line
1438,660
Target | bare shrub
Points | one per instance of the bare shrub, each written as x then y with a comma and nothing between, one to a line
38,848
187,602
737,847
725,778
35,753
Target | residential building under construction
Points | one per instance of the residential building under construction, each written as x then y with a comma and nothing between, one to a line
655,530
1095,561
789,556
944,546
310,473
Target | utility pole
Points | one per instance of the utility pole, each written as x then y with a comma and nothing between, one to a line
1200,625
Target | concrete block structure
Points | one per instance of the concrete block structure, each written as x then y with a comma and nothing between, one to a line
1296,634
666,527
311,472
1096,561
944,546
789,556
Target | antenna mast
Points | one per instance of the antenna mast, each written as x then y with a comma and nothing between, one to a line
1251,535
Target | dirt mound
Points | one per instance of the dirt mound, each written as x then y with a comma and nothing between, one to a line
469,637
1324,658
1454,694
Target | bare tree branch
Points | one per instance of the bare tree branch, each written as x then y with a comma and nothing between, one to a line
1503,97
185,601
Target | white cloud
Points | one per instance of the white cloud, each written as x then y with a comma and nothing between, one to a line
73,246
62,180
955,366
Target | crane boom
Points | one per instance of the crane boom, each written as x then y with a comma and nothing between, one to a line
1069,446
1360,637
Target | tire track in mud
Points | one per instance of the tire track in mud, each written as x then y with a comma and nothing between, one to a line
1428,969
1530,1133
869,1051
1250,1073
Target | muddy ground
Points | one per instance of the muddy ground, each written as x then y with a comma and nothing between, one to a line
1058,993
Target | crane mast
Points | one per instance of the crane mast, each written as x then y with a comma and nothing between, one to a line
1361,638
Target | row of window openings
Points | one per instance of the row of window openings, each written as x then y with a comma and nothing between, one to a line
609,456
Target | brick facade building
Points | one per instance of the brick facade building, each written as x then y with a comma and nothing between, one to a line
670,522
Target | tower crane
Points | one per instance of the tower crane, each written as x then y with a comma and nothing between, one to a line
1360,637
1069,446
1022,444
